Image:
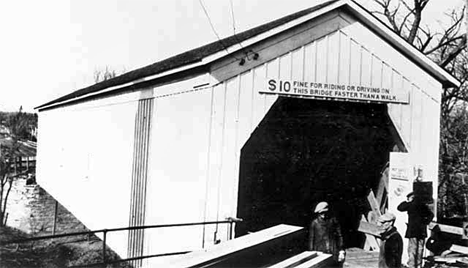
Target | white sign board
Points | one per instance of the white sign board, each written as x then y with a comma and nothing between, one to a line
399,183
334,91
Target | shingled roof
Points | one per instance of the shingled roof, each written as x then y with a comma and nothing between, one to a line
191,56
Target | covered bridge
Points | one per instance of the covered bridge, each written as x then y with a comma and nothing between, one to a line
260,126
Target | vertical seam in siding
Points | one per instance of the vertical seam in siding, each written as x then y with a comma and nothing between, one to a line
350,60
208,160
315,61
130,247
360,64
371,68
291,66
236,144
303,49
338,66
327,57
221,156
411,99
139,174
400,107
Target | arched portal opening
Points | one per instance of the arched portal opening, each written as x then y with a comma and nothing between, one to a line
306,151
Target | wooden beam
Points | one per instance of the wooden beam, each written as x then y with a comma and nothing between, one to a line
226,249
373,203
371,241
369,228
296,259
322,260
459,249
446,228
383,186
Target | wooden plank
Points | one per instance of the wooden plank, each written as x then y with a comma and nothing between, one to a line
373,203
380,191
371,241
383,205
459,249
446,228
322,260
383,187
234,246
296,260
369,228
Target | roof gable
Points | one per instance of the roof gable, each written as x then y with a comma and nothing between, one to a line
197,55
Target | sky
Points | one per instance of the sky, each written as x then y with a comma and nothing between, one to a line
52,47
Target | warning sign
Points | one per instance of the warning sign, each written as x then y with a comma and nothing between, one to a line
335,91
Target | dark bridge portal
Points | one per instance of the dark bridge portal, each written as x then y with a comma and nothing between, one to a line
305,151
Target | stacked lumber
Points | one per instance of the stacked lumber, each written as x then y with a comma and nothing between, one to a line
448,252
276,247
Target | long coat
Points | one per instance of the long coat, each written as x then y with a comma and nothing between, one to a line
325,236
391,249
419,216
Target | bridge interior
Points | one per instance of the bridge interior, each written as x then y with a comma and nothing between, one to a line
306,151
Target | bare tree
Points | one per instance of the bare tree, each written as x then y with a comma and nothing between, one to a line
105,74
447,48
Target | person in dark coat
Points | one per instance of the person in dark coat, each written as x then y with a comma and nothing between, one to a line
391,245
325,234
419,216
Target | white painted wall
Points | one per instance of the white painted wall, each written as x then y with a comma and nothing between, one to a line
85,159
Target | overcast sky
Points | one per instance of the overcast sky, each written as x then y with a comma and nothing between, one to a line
49,48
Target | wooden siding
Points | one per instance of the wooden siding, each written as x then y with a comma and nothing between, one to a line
177,169
139,178
334,58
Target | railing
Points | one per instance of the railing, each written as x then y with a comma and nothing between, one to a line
104,232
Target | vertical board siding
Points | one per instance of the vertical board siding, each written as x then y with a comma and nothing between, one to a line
259,100
262,80
366,67
216,158
376,72
418,122
395,109
177,180
344,59
333,62
229,167
297,69
406,114
310,62
321,60
335,58
354,63
139,179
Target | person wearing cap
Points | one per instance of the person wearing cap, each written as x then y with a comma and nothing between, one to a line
419,216
391,245
325,234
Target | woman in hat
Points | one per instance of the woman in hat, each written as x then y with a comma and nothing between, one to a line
325,234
